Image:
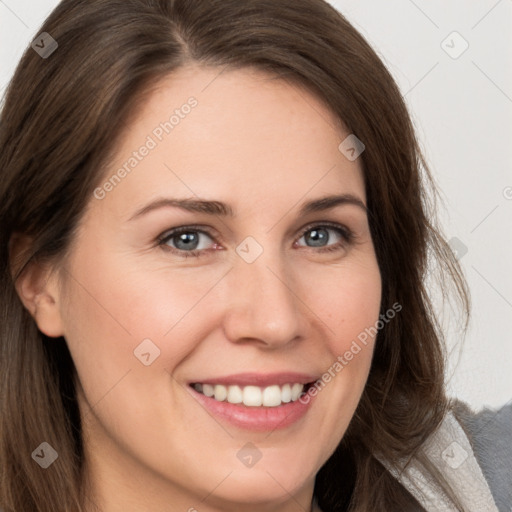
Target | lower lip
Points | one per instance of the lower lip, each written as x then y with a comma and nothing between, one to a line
255,418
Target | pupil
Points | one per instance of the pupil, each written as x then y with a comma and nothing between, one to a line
187,240
318,236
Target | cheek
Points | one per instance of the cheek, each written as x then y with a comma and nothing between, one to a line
113,307
347,298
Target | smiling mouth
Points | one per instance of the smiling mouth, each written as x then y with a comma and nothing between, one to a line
253,396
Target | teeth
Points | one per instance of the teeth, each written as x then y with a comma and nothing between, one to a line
286,393
207,390
272,396
252,396
220,393
235,395
296,390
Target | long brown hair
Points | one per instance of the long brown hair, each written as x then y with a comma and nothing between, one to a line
62,118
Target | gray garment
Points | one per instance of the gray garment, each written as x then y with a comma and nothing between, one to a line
490,434
472,451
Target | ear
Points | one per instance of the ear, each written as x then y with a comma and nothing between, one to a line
38,289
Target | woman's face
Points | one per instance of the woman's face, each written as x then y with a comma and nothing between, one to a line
243,303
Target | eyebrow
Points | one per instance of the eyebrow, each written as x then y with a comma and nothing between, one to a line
220,208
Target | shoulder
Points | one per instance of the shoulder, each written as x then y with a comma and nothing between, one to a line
490,433
469,455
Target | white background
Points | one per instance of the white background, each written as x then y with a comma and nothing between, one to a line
462,109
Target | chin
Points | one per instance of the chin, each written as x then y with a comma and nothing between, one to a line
252,487
266,482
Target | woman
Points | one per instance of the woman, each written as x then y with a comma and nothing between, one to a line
215,235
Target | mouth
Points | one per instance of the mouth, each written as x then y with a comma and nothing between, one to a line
256,402
253,396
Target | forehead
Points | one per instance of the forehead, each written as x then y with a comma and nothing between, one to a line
220,134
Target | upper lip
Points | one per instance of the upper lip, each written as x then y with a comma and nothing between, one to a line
259,379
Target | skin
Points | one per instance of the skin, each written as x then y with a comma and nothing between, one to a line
264,147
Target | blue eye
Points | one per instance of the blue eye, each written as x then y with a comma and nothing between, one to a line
185,240
319,236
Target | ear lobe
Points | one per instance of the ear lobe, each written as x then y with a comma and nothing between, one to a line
37,287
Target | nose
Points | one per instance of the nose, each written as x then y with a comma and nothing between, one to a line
263,303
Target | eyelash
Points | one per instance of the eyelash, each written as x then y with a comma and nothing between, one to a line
347,235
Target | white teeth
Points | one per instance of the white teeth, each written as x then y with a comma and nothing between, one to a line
272,396
296,391
208,390
221,392
235,395
286,393
252,396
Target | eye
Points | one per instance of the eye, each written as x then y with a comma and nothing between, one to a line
186,240
319,236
